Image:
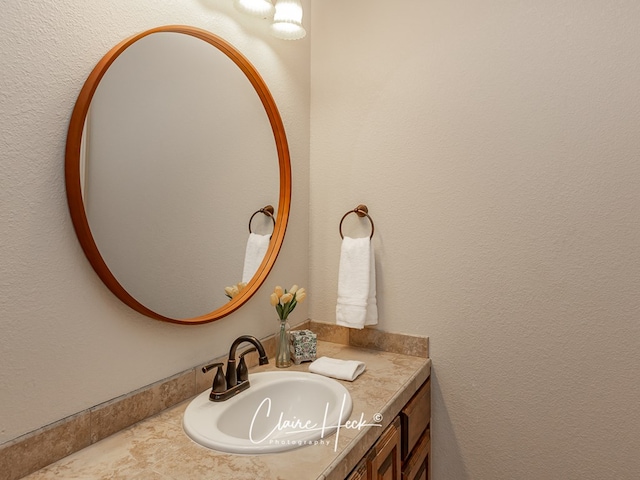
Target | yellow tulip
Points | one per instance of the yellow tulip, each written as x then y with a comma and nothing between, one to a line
293,289
229,291
274,299
278,291
286,298
301,295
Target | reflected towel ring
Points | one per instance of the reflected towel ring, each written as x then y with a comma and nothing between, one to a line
268,211
361,211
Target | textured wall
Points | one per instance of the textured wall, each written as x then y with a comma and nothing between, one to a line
67,343
496,144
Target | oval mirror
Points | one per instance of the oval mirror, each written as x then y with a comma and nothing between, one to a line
174,144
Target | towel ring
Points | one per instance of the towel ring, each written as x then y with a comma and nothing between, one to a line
268,211
361,211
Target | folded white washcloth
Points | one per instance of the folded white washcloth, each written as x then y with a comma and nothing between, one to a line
357,305
254,254
341,369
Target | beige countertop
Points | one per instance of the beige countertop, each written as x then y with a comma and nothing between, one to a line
158,448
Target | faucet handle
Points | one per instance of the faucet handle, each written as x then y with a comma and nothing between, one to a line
219,380
242,370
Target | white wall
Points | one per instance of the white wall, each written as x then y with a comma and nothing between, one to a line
496,144
67,343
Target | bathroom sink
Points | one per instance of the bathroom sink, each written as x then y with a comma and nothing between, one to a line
280,411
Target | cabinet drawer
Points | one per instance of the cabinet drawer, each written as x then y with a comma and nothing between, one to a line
415,417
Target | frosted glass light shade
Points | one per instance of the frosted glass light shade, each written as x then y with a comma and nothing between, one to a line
287,20
257,8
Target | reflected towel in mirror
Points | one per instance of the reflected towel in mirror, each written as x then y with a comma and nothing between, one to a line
256,250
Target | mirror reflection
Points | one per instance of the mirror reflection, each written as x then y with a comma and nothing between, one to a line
177,153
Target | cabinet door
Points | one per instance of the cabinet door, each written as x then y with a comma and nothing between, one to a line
384,459
360,472
417,466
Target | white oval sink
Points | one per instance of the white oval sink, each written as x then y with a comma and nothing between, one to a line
280,411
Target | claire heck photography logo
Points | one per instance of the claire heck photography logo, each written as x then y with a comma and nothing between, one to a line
271,427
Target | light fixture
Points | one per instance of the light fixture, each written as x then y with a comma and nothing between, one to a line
287,20
257,8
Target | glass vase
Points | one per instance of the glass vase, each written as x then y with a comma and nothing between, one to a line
283,354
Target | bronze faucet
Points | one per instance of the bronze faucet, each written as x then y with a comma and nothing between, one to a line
229,385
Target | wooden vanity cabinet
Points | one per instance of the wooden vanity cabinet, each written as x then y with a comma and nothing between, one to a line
403,450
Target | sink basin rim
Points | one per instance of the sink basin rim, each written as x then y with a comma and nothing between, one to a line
202,418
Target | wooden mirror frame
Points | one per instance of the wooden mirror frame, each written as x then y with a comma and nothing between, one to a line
74,189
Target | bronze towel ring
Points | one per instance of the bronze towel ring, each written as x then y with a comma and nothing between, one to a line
361,211
268,211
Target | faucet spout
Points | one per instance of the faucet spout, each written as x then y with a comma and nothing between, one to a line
232,373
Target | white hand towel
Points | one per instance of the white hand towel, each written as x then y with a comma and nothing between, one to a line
372,302
357,304
340,369
254,254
